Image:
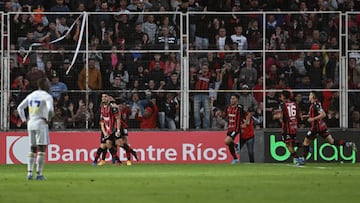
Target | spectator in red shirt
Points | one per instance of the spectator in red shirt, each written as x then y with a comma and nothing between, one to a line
15,120
157,58
257,87
327,95
148,120
247,136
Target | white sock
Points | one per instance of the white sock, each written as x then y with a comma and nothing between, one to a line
31,162
40,162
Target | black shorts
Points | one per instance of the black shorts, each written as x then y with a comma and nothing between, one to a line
103,139
123,134
311,134
288,138
232,134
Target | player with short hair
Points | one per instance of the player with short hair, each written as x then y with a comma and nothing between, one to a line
110,124
41,110
235,113
122,137
289,113
318,126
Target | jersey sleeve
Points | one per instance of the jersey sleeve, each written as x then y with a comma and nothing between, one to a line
115,110
101,119
281,106
21,109
50,107
318,107
281,109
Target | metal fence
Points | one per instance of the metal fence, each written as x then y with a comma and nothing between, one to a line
196,36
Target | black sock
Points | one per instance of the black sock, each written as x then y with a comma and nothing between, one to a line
127,150
126,147
113,152
306,151
104,151
339,142
232,150
98,152
134,154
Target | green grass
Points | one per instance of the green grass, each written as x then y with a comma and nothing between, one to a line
183,183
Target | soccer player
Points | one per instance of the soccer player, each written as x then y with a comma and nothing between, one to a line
122,137
110,124
318,126
247,136
41,110
289,113
235,113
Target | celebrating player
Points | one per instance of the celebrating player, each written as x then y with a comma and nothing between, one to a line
289,113
122,137
235,113
109,118
41,110
319,127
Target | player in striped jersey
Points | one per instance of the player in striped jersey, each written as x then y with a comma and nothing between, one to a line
122,136
110,124
319,127
289,113
235,113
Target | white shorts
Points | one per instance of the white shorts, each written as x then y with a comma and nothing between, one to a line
39,136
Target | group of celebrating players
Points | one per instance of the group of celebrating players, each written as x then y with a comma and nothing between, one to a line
114,133
289,114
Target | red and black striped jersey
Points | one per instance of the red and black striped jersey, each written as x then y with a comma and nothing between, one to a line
314,110
290,114
108,115
235,116
203,82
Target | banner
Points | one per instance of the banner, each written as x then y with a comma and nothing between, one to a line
152,147
276,151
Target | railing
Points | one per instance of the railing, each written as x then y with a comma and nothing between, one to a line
3,110
261,50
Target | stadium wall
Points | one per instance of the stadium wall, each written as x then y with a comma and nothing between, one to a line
183,147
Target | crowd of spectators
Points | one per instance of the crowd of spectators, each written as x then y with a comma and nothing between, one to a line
136,58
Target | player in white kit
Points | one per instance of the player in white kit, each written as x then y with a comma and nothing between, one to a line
41,110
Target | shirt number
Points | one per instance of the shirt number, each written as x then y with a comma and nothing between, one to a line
291,110
34,106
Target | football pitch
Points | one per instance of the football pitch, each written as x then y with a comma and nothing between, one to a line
160,183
